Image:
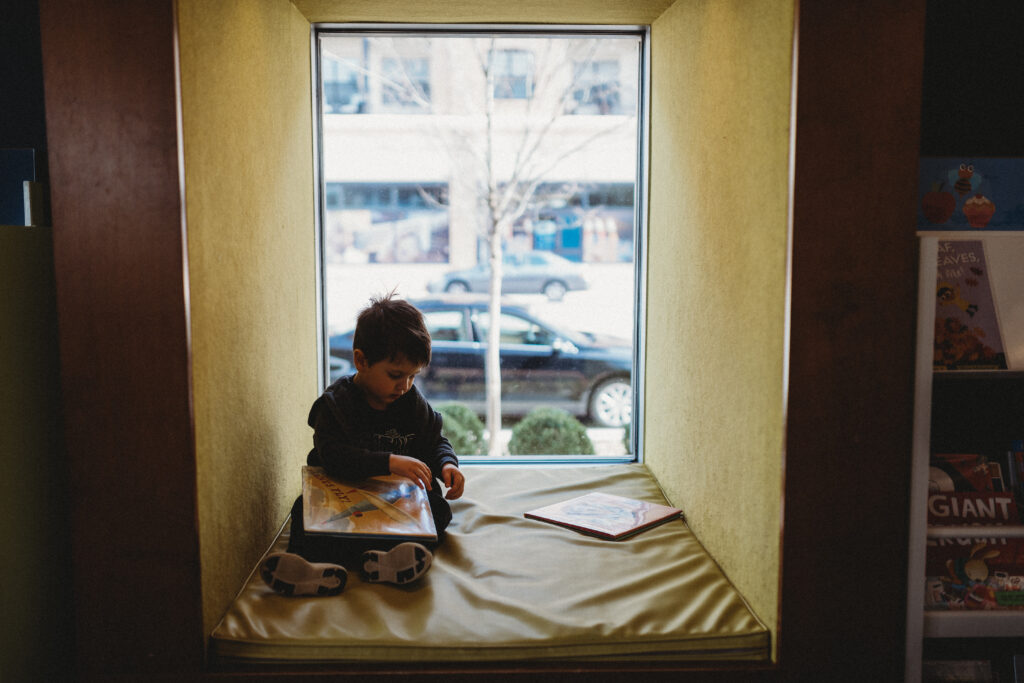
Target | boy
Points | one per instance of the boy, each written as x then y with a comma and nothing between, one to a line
373,423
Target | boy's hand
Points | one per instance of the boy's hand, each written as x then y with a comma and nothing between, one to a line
411,468
453,479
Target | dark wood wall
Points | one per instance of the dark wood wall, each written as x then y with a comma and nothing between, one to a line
854,280
122,303
111,122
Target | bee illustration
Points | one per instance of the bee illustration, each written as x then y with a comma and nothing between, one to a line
966,180
949,293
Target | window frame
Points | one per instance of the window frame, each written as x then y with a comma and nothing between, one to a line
640,198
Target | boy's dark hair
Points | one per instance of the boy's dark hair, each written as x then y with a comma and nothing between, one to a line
388,327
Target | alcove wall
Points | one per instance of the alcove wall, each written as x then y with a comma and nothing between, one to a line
248,164
718,331
716,279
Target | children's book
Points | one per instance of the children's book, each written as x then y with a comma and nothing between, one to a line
605,515
980,573
390,507
964,472
967,335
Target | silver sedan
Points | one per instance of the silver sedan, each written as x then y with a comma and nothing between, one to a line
530,272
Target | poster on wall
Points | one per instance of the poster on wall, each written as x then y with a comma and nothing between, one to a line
964,193
966,324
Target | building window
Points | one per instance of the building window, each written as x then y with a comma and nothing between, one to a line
387,222
598,89
344,88
513,74
436,170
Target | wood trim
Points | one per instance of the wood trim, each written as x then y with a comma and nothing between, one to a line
112,127
853,302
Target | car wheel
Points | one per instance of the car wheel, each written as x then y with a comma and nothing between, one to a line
611,403
555,290
457,287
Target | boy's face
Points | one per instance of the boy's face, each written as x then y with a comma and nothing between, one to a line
385,381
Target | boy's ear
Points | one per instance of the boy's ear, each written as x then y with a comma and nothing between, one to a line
360,360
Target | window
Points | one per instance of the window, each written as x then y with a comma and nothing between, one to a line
513,74
387,222
446,326
515,329
598,90
344,82
439,147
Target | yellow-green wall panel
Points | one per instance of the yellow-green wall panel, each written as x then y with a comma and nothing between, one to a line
247,134
484,11
717,244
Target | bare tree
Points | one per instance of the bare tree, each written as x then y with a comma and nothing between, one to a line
508,198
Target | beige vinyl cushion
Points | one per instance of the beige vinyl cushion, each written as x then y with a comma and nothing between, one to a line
506,588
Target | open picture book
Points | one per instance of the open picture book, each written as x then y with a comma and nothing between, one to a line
605,515
389,507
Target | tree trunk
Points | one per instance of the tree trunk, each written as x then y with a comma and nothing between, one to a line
492,361
493,358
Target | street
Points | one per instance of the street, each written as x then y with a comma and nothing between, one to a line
605,308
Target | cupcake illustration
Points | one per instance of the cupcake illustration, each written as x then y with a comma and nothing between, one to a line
978,210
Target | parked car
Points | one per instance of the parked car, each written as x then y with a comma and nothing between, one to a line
529,272
541,363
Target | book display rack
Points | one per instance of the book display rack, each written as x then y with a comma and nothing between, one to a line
965,577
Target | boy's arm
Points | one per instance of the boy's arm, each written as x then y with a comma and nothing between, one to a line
455,481
444,464
438,450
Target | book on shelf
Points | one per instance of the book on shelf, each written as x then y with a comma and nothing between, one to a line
390,507
982,571
605,515
977,573
968,488
965,472
962,508
967,335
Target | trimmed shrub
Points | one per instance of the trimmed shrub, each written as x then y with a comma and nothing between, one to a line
463,428
549,431
627,442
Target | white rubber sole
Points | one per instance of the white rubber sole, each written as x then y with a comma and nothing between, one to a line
291,574
403,564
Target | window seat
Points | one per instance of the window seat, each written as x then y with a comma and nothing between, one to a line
503,588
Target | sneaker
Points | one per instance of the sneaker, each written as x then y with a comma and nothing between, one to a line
404,563
291,574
